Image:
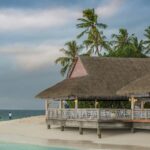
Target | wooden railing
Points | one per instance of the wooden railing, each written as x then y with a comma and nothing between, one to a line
95,114
142,114
118,114
89,114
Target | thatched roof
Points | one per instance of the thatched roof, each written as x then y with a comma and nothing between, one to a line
105,77
141,86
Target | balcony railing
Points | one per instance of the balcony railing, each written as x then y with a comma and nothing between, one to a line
95,114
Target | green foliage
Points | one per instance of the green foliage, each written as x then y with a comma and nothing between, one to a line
121,45
101,104
95,40
121,40
125,45
147,105
115,104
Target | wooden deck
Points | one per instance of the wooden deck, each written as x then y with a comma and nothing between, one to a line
99,119
138,120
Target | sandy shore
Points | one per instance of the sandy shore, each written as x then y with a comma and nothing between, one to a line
33,130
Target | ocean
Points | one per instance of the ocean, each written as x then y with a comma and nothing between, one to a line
16,114
8,146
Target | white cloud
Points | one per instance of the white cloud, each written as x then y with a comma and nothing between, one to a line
32,57
16,19
109,9
22,19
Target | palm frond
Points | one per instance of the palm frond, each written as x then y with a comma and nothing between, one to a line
64,70
82,33
101,25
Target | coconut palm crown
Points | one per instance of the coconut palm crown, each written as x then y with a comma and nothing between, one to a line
95,39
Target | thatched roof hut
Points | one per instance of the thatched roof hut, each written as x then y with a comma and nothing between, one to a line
139,87
98,78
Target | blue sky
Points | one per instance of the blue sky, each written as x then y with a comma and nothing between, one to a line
33,31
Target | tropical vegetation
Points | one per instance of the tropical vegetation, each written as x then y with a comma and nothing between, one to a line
94,42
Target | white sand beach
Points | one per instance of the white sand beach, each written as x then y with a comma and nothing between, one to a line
33,130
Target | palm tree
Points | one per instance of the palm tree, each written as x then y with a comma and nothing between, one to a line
95,40
95,43
133,48
137,47
122,39
147,41
70,54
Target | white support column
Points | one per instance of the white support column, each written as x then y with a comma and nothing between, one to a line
76,103
142,105
133,100
96,104
61,109
76,106
46,109
142,108
61,104
98,110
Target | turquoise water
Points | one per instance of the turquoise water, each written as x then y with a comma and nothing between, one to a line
6,146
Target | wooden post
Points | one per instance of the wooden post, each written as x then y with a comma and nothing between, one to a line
132,99
62,122
46,109
99,114
80,127
96,104
48,126
76,107
99,134
61,107
47,113
142,105
62,125
76,104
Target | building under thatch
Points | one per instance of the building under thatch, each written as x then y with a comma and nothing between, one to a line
98,78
